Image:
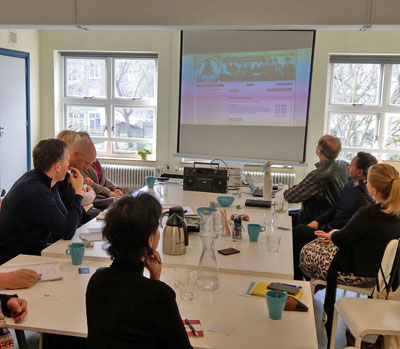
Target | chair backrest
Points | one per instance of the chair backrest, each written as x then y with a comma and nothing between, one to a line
387,263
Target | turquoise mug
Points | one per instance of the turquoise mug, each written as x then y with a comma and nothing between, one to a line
76,250
254,231
276,301
150,182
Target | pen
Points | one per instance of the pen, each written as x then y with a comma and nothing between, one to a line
191,327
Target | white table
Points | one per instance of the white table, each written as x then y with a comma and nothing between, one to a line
253,258
249,315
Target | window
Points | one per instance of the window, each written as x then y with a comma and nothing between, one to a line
113,98
364,105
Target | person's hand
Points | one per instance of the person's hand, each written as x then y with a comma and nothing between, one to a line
88,181
87,188
76,180
113,193
17,308
119,192
153,264
313,224
322,234
23,278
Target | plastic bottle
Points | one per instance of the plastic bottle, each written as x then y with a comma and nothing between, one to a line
267,192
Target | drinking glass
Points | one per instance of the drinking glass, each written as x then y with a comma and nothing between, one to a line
185,280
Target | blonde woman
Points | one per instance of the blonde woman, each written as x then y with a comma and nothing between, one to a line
353,254
70,137
360,244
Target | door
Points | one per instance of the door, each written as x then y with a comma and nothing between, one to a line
14,116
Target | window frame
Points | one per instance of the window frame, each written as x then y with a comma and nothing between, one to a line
110,102
382,109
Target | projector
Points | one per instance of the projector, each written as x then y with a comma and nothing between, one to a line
205,179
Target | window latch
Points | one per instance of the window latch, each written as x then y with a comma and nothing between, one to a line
357,104
88,97
136,98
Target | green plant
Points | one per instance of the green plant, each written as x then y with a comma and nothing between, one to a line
144,151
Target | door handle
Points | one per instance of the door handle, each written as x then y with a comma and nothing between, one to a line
1,130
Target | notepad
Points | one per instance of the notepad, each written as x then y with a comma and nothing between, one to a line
91,237
261,288
47,271
197,326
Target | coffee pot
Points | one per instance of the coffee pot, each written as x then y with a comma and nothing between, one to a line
175,235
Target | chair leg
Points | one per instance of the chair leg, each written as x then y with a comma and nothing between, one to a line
41,340
357,343
20,334
334,328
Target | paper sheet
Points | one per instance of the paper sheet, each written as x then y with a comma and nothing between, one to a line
91,237
47,271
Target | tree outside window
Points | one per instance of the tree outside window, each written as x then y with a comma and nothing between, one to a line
364,108
120,115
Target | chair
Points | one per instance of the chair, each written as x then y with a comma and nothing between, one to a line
386,264
367,316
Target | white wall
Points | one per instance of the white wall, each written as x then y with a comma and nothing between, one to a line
28,41
166,44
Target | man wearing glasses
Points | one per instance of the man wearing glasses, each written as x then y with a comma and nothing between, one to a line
322,187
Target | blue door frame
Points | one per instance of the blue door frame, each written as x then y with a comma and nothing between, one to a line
25,56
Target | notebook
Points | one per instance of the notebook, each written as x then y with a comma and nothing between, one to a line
47,271
261,288
197,326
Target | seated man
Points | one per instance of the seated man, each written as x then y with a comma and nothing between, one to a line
322,187
355,195
32,210
103,187
81,154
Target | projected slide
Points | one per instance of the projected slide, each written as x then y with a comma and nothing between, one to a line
252,88
252,85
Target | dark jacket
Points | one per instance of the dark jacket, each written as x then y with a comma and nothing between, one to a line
4,298
354,197
363,240
331,176
31,212
127,310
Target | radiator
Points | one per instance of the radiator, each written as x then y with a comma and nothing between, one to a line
277,177
128,177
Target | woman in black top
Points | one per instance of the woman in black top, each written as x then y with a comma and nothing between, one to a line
124,308
361,243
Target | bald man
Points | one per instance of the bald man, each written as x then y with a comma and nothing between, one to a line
81,154
322,187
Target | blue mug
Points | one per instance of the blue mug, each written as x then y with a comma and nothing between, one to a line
76,250
254,231
276,301
150,182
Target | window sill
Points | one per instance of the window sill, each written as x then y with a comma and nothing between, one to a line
125,159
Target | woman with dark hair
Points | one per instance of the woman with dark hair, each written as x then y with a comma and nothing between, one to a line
124,308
